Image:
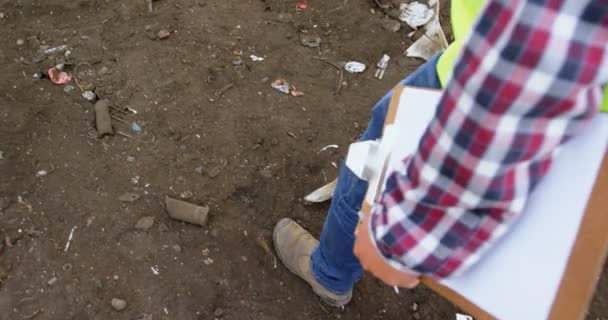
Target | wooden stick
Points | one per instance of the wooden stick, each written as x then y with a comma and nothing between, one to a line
340,70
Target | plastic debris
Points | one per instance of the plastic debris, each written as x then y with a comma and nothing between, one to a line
55,50
135,127
322,194
310,41
432,41
42,173
415,14
284,86
460,316
302,6
354,67
89,95
255,58
382,65
59,77
331,146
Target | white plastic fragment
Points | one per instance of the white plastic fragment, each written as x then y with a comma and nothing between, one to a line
354,67
255,58
70,237
460,316
322,194
432,41
330,146
415,14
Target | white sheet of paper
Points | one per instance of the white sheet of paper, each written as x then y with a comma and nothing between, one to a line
519,277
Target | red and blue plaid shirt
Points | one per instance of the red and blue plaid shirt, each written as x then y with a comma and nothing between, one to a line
528,79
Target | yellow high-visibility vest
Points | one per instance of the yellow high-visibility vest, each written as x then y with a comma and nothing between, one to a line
463,14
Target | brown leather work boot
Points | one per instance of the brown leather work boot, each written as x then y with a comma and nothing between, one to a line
294,246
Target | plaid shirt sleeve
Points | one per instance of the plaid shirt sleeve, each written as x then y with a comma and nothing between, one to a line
528,79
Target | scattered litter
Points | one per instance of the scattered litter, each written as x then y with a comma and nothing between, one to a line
132,110
52,281
155,270
135,127
68,89
59,77
322,194
129,197
55,50
255,58
237,62
354,67
103,120
333,163
330,146
208,261
415,14
20,42
70,237
463,317
186,212
382,65
311,41
166,311
144,223
302,6
291,134
118,304
163,34
284,86
432,40
42,173
89,95
391,25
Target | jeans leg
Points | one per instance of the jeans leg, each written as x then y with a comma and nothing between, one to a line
333,263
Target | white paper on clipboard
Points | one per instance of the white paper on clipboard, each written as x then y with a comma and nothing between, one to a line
520,276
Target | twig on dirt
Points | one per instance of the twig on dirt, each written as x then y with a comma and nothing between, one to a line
31,316
119,119
76,72
126,135
70,237
262,243
120,110
223,90
340,70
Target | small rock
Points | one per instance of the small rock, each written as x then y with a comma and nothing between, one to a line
118,304
68,89
42,173
148,27
414,306
129,197
144,223
186,194
176,248
163,34
116,277
264,80
199,169
310,41
163,227
103,71
266,173
214,172
52,281
284,17
218,312
201,3
391,25
20,42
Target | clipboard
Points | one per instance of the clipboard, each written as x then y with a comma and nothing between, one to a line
565,289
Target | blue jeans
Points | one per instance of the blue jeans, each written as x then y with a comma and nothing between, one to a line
333,263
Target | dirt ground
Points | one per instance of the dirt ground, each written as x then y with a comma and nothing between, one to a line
213,131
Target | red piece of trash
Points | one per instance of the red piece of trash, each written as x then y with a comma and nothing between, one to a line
302,6
59,77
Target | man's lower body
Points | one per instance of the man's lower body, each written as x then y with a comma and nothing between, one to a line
329,266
